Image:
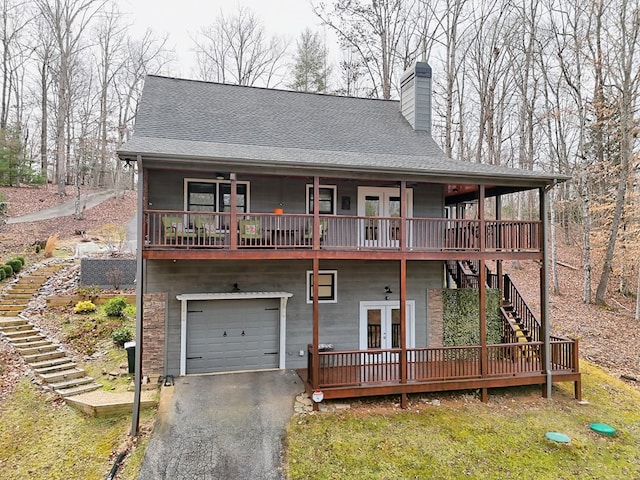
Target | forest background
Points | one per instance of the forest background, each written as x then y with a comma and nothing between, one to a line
546,85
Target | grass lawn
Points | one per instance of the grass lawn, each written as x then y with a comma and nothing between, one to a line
463,438
42,438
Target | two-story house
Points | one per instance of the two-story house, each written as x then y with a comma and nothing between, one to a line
326,234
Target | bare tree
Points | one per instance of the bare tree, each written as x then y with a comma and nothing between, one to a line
384,33
623,34
67,21
236,50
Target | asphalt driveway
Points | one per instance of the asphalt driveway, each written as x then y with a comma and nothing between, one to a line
222,427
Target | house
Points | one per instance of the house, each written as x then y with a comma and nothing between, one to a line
333,236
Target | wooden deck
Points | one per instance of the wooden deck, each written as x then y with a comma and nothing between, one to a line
184,230
356,373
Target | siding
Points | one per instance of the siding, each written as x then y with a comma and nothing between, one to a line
267,193
339,322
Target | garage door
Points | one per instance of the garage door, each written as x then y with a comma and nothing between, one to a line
232,335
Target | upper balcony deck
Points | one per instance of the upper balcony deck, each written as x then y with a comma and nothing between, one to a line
176,230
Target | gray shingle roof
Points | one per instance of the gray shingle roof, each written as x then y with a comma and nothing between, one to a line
200,120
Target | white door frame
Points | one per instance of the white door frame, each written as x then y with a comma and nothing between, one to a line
186,297
385,193
410,313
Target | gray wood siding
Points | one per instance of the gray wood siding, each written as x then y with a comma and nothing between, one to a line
408,101
267,193
339,322
422,104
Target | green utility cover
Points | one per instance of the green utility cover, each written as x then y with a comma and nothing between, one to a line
603,428
557,437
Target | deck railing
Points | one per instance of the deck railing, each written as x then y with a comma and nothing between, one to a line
382,366
197,230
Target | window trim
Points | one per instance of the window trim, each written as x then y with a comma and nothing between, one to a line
309,294
334,198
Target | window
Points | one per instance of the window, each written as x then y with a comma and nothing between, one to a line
327,199
214,195
327,286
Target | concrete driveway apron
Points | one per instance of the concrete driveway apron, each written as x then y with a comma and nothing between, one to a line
222,427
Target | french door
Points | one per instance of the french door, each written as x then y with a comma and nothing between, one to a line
382,206
380,329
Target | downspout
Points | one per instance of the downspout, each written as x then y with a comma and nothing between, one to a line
135,418
544,286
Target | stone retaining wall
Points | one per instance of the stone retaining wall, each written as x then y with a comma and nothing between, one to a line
108,272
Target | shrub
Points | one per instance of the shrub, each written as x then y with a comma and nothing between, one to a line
15,264
8,270
130,312
84,306
50,246
121,336
37,248
22,260
115,306
2,274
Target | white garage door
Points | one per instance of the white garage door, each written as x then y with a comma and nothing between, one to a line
232,335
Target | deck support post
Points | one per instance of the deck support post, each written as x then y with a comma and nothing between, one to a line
482,285
137,376
499,271
233,220
316,287
403,292
484,395
544,292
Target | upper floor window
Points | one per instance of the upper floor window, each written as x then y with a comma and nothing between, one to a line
327,200
215,195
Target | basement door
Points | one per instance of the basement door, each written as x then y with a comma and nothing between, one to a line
380,329
232,335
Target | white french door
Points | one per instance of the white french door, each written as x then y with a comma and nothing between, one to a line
380,329
382,204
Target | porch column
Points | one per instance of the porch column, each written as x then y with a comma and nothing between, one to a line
498,234
233,222
316,215
315,364
137,377
482,291
544,293
403,291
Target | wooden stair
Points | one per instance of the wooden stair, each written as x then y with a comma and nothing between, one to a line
46,358
522,335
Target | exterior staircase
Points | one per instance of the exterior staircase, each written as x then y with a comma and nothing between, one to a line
45,357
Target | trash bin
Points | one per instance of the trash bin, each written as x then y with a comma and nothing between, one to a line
130,347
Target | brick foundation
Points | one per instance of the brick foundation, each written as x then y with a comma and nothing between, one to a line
153,334
435,310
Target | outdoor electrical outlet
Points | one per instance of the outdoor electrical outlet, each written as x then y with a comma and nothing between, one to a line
302,353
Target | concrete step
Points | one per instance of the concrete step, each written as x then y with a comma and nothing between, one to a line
24,341
36,350
41,358
64,364
44,360
68,392
63,375
20,332
74,382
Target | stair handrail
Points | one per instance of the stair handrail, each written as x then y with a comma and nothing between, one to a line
512,295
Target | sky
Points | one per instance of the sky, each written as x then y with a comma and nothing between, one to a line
182,18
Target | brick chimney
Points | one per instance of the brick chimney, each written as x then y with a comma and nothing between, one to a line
415,96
